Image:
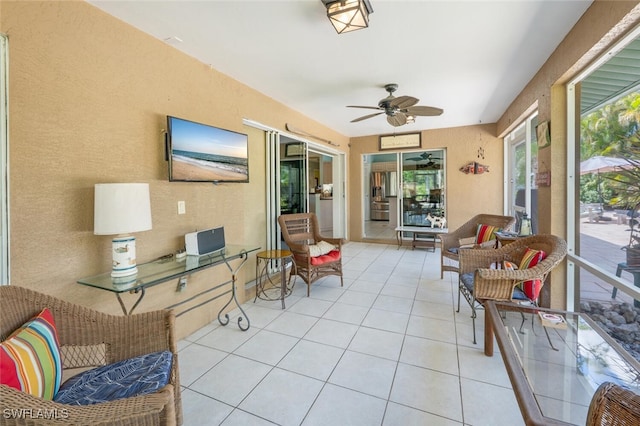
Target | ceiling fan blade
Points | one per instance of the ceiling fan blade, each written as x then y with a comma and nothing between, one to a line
403,102
422,110
366,116
367,107
399,119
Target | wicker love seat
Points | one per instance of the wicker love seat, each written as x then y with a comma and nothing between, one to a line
88,338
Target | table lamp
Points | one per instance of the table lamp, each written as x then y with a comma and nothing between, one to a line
120,209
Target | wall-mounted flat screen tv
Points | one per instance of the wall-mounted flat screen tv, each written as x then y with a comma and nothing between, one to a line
203,153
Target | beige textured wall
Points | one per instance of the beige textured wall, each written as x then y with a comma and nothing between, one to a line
467,194
88,99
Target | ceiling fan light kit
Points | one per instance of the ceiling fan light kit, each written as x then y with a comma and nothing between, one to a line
399,110
348,15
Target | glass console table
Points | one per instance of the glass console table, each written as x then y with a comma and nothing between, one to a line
556,368
169,268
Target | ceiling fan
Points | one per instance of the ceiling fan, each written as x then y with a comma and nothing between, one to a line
400,110
431,161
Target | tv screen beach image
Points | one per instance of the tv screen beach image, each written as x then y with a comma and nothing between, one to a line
204,153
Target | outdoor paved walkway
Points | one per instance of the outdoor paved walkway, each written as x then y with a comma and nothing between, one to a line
601,244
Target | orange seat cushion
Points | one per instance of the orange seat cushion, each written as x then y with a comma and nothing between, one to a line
332,256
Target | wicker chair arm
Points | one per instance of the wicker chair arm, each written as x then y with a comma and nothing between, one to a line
539,271
449,241
495,288
472,259
19,408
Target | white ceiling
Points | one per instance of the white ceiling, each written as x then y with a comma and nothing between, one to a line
470,58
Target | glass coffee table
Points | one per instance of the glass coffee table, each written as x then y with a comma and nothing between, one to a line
556,368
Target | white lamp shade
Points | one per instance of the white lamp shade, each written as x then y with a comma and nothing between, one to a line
121,208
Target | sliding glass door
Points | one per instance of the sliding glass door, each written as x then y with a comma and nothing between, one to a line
522,146
402,189
293,177
423,187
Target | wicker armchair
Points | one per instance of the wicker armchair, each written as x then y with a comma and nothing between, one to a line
498,284
451,242
299,231
613,405
89,339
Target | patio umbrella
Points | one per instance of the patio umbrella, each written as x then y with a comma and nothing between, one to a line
602,164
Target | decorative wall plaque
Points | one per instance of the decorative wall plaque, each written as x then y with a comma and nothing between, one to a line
403,141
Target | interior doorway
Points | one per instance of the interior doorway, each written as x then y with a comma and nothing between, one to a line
402,189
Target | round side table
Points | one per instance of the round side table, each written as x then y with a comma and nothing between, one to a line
263,279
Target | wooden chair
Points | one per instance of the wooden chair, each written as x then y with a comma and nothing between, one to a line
300,231
613,405
450,242
479,282
90,338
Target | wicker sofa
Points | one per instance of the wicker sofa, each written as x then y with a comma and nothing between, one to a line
90,339
499,284
451,242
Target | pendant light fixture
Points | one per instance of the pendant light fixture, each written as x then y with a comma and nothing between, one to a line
348,15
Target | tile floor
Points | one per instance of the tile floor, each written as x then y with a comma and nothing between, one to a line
388,348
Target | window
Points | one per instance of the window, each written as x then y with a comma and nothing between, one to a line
606,98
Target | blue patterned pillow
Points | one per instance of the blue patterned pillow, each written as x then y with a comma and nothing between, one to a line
132,377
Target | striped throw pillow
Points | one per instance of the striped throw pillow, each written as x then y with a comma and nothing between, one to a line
486,233
530,259
30,357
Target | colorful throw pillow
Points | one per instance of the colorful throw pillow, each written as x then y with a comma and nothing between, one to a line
30,357
530,259
509,266
486,233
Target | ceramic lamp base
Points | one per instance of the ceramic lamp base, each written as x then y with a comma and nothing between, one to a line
124,256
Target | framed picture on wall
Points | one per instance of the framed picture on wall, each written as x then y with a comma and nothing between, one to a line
544,134
402,141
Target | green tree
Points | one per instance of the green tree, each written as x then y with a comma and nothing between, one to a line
612,131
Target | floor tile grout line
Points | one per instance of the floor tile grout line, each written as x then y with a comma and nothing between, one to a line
360,326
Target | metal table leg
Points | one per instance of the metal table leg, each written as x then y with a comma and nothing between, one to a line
130,311
233,297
